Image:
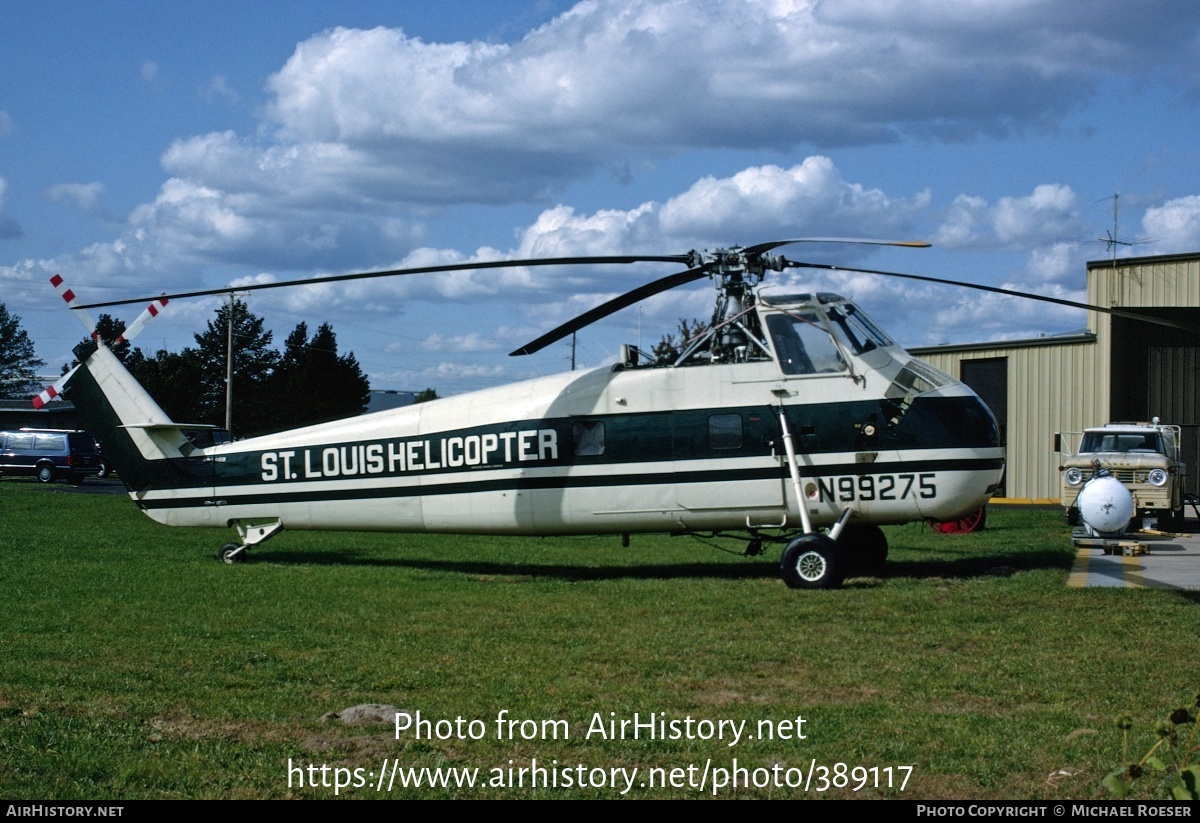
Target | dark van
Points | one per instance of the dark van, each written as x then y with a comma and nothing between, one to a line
50,454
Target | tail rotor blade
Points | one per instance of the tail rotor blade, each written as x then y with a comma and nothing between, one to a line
52,392
68,297
135,328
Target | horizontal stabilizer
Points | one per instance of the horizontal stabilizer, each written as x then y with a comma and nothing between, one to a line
168,426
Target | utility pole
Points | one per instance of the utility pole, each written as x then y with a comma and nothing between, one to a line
229,369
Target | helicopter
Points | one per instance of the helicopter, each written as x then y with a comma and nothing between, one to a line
793,419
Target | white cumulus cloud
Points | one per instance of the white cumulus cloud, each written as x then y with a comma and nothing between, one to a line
1049,215
1174,226
84,196
9,228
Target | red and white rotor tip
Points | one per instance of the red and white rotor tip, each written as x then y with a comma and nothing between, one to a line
143,319
131,331
39,400
52,392
68,297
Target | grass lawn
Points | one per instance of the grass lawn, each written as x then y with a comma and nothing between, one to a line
133,665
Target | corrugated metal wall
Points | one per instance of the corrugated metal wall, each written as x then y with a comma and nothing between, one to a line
1146,282
1051,388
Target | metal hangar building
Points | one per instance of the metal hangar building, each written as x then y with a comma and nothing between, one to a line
1119,369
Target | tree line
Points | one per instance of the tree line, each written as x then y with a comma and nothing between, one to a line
18,362
306,383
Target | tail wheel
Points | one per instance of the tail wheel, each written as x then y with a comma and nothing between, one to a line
232,553
973,522
812,561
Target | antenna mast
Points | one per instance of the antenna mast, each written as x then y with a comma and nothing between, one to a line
1113,244
1114,239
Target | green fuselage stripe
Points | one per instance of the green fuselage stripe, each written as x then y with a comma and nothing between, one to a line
529,483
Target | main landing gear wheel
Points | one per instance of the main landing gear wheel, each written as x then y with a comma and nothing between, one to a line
812,561
232,553
866,545
973,522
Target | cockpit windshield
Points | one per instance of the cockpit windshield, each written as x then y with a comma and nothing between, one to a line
802,344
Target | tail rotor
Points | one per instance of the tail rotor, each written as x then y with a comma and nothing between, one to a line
53,392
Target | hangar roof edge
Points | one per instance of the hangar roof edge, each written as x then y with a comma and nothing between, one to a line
1072,339
1107,263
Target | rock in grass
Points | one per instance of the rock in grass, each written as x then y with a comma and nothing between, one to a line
364,714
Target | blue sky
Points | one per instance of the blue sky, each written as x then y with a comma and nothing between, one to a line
149,146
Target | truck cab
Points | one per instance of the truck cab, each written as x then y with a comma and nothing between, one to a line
1145,457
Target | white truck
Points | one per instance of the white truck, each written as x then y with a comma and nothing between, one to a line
1141,458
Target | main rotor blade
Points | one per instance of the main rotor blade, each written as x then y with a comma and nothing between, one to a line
614,305
774,244
671,281
791,264
338,278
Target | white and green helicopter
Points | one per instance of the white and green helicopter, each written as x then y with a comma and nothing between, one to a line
792,419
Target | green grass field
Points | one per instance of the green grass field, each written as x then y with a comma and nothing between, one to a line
133,665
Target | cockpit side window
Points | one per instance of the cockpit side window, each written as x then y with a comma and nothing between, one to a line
802,344
857,328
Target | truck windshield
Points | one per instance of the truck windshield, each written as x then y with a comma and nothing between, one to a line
1121,442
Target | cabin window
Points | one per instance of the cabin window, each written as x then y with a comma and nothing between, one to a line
588,437
802,344
50,442
23,442
725,431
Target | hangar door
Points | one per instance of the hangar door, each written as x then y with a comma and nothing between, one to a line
1172,395
1154,375
988,377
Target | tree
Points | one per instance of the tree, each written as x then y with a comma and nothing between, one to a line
18,362
174,380
425,395
108,329
254,409
667,350
313,384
